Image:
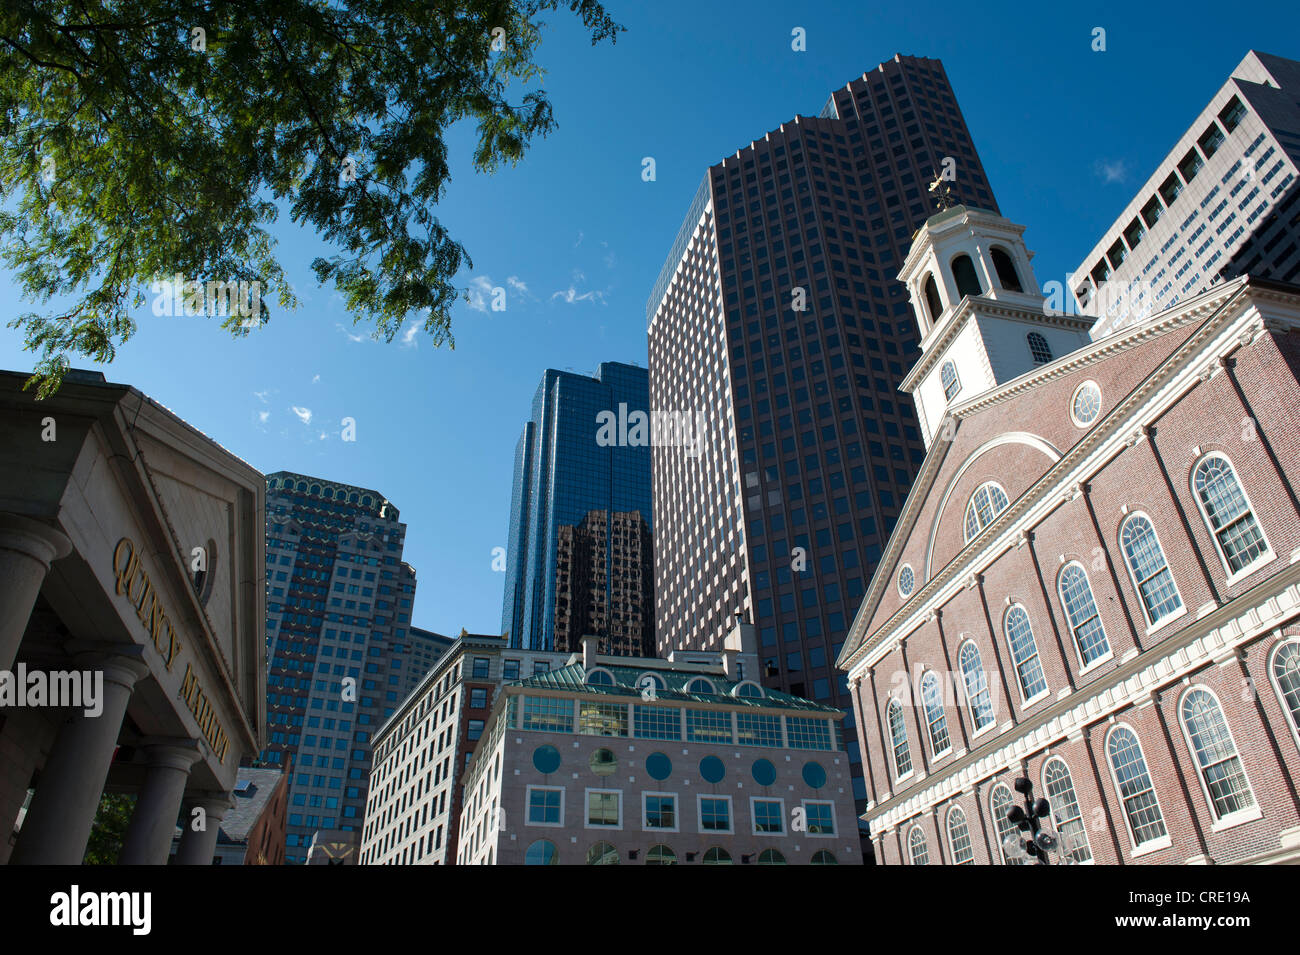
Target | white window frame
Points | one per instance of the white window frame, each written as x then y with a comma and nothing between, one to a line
1069,623
1042,778
1268,553
977,730
1291,720
970,502
893,749
911,590
753,817
699,815
947,831
528,806
1136,849
1137,587
1232,819
911,856
835,822
997,827
943,717
1025,701
677,813
1074,397
586,808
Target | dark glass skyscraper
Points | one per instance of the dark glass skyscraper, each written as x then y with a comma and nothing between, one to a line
566,468
778,319
338,616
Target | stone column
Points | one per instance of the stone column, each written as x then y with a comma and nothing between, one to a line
58,824
153,824
198,846
27,548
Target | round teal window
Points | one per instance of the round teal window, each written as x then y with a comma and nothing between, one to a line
546,759
814,775
658,766
712,770
764,772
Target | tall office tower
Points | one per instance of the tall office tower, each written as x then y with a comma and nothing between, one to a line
779,513
338,614
1222,204
604,577
423,653
581,451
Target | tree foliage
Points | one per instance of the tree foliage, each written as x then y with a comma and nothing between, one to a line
111,822
150,138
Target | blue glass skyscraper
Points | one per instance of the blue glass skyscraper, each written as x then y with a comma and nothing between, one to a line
569,486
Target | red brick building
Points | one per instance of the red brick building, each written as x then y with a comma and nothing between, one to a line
1094,581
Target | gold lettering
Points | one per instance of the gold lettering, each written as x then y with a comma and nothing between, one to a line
173,645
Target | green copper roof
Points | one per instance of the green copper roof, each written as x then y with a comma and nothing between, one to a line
573,678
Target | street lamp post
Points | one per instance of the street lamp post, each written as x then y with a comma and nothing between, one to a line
1035,840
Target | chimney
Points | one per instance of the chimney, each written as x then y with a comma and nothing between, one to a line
590,645
740,652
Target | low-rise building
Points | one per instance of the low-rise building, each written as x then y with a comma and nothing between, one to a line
413,809
612,759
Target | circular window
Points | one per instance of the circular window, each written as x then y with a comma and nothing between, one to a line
658,766
546,759
906,580
603,762
764,772
1086,404
712,770
814,774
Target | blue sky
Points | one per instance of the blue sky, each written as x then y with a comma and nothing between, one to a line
577,238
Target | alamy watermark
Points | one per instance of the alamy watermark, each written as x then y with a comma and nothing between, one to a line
660,429
78,689
178,296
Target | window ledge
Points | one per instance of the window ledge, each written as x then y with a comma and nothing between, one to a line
1239,818
1168,619
987,728
1040,695
1155,845
1257,564
1106,658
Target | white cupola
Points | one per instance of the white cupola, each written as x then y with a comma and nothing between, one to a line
982,317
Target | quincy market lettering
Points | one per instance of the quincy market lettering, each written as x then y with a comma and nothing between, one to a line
134,582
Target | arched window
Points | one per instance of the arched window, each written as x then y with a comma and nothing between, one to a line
988,501
1024,651
898,735
541,852
1081,612
1149,569
977,686
967,279
1129,767
917,850
771,857
602,853
935,720
1211,743
1285,673
748,689
823,857
1227,513
951,383
650,681
1008,278
932,302
660,855
1039,350
1000,801
1065,809
717,856
701,685
959,838
599,677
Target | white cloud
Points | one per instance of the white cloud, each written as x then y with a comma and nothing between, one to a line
571,295
315,379
579,242
408,336
261,395
516,283
1116,171
263,416
480,287
352,336
304,414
